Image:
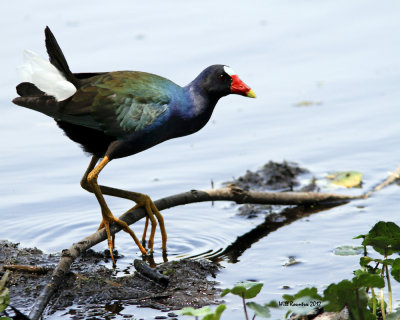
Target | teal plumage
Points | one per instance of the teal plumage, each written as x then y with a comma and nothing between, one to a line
120,103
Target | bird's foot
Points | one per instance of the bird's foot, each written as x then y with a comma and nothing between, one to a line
143,200
108,219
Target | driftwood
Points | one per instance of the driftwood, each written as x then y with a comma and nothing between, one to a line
231,193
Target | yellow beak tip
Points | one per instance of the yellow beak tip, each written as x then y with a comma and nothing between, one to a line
251,94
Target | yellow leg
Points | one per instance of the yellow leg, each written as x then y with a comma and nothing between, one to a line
143,200
108,217
146,225
139,198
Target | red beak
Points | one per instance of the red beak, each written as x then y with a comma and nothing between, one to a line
239,87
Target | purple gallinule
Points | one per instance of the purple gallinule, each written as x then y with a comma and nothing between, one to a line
117,114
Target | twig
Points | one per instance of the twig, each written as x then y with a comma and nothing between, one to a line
29,269
224,194
389,180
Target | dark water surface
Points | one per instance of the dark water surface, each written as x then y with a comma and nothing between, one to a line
343,56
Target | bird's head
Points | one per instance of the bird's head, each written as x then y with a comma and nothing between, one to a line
220,80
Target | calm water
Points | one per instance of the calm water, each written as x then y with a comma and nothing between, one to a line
343,55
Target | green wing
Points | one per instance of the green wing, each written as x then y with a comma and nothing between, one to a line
119,103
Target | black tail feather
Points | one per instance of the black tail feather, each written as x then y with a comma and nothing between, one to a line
25,89
57,58
45,104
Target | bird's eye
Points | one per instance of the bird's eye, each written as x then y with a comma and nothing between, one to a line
221,77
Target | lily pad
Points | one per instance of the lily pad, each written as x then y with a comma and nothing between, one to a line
348,250
347,179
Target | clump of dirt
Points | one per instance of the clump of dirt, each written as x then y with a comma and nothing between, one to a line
187,286
273,176
95,288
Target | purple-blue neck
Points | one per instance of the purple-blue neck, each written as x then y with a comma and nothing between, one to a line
202,101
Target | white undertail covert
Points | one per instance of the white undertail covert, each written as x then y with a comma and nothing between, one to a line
45,76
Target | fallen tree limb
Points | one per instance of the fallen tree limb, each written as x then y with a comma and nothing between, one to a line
231,193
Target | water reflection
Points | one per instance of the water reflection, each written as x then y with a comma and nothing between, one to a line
272,222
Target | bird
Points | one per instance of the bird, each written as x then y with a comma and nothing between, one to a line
118,114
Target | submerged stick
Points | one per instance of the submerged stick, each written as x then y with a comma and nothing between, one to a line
230,193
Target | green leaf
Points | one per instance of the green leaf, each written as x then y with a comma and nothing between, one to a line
4,299
306,292
259,310
396,269
189,311
338,295
204,312
370,270
345,294
225,292
272,304
359,272
216,314
384,237
221,308
348,179
385,262
365,260
348,250
246,289
368,280
361,236
4,280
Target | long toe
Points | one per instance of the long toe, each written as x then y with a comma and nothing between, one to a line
110,240
126,228
143,200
